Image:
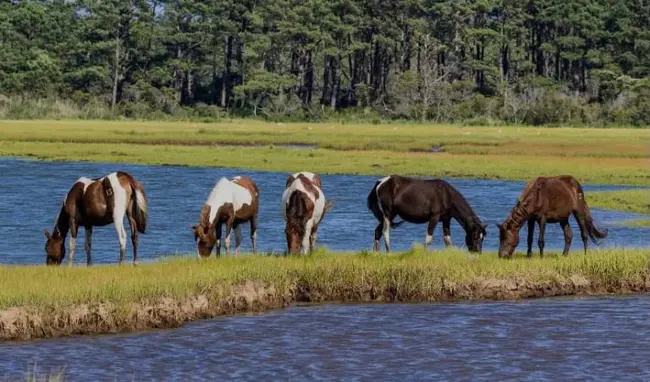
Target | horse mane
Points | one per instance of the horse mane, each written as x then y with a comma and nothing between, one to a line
520,211
62,223
465,212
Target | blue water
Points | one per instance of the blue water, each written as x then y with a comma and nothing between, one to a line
31,193
593,339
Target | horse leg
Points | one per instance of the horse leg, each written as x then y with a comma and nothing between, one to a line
238,238
121,237
89,235
226,242
430,228
568,236
531,233
74,230
580,218
218,235
306,240
540,239
378,232
134,238
387,233
446,230
254,233
313,237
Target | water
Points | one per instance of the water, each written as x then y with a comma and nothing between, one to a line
31,193
548,339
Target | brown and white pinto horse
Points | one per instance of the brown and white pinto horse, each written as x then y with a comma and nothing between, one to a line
303,208
548,200
98,202
423,201
232,202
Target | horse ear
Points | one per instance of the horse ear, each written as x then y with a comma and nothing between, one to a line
47,234
484,227
500,226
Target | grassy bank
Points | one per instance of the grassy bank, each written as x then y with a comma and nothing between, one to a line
628,200
604,156
37,301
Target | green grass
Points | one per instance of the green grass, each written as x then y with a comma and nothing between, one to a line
639,223
607,156
418,275
626,200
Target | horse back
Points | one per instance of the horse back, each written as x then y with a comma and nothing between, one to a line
554,197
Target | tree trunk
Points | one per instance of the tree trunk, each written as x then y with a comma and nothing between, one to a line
225,88
116,72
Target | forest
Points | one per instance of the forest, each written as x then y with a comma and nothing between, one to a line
538,62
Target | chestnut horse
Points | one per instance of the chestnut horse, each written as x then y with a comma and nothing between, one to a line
548,200
423,201
232,202
98,202
303,208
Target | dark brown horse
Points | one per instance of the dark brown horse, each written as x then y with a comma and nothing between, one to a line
98,202
232,202
548,200
423,201
303,208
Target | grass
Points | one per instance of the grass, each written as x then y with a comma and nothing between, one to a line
626,200
418,274
607,156
38,301
639,223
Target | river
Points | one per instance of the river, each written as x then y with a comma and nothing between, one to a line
595,339
32,191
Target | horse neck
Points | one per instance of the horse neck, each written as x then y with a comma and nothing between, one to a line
463,213
517,217
62,224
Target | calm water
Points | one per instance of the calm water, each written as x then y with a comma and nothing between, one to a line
551,339
31,193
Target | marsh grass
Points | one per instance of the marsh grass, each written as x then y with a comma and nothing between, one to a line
419,275
625,200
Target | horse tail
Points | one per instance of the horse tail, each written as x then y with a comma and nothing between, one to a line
139,209
373,205
594,233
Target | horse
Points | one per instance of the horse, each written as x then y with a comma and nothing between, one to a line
303,208
95,203
548,200
423,201
232,202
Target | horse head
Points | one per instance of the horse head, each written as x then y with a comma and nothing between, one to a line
204,233
54,248
297,216
475,236
508,239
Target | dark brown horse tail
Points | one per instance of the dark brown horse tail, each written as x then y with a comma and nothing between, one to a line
592,231
373,205
139,211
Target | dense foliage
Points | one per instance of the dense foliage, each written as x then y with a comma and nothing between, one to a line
531,61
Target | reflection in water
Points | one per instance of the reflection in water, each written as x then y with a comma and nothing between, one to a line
548,339
31,195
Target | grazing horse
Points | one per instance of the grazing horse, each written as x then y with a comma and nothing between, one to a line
423,201
233,202
98,202
303,208
548,200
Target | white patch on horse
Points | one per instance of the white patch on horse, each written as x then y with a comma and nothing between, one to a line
119,209
306,174
227,191
381,182
85,181
319,204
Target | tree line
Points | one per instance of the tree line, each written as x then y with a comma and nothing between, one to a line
480,61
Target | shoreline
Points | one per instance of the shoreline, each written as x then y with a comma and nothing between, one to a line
279,282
